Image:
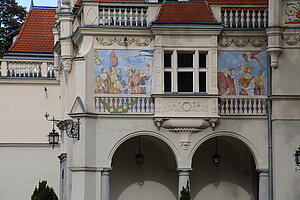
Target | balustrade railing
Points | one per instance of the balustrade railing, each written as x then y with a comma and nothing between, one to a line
124,104
243,106
27,69
123,16
244,17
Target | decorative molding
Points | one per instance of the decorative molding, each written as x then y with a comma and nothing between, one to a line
125,41
257,43
291,40
185,106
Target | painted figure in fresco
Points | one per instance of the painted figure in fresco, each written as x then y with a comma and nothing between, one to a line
235,77
103,81
115,85
97,85
136,80
246,80
260,84
121,79
226,83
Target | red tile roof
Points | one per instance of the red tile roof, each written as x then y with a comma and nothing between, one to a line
185,12
36,35
239,1
78,2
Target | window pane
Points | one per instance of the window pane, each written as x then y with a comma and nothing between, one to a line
168,60
185,60
202,81
202,61
167,80
185,81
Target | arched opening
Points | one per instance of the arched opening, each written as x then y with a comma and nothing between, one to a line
156,178
234,178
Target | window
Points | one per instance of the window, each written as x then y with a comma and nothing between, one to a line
185,71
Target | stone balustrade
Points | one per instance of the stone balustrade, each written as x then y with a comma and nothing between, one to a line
28,69
124,104
123,16
243,106
141,104
244,17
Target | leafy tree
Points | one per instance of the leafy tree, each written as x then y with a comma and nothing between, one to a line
43,192
185,192
11,18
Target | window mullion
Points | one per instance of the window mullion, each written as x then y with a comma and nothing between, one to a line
174,73
196,71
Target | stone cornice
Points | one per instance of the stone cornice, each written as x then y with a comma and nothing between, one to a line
29,80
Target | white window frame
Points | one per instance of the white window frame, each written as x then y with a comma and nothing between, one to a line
196,69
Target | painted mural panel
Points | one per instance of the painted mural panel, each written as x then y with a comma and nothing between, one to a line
242,73
123,71
292,12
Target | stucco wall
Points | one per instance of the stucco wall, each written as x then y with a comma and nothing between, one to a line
23,104
23,166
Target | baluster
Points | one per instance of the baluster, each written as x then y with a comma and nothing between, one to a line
131,16
115,17
145,21
265,18
235,17
231,19
253,18
231,106
120,16
251,109
242,18
26,69
236,110
30,69
248,18
241,107
259,110
254,106
108,16
259,18
225,18
96,103
226,106
125,16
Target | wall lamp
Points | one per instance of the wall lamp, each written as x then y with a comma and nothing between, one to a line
71,127
297,157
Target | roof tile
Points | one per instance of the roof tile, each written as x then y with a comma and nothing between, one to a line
185,12
36,35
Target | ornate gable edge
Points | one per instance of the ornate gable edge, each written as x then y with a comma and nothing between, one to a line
78,106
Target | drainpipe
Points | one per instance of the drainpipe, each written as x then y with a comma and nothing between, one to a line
270,132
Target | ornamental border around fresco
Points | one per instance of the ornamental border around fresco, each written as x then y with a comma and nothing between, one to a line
124,41
242,43
291,40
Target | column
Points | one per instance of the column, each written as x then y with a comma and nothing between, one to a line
263,185
183,179
105,185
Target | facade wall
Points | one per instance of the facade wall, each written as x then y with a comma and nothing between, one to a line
23,166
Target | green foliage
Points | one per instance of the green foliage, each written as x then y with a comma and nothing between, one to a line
185,193
43,192
11,18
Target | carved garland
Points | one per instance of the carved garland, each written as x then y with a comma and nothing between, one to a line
242,42
291,40
119,109
124,41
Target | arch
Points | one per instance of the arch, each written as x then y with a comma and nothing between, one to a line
145,133
241,138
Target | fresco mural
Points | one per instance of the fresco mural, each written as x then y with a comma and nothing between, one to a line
123,71
242,73
292,12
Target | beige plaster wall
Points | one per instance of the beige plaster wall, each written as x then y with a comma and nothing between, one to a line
23,104
285,78
286,141
22,167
